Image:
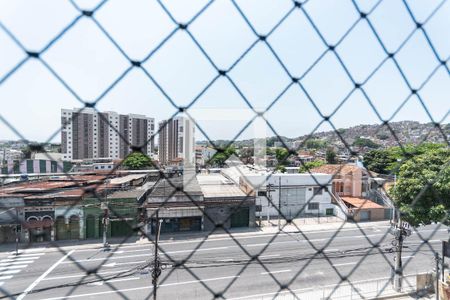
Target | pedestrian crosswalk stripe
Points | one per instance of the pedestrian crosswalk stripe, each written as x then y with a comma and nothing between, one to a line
12,267
31,250
17,259
6,264
5,277
1,283
9,272
24,255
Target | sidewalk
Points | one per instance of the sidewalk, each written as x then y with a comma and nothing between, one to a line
266,229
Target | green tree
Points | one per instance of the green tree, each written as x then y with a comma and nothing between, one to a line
136,161
386,161
379,161
361,142
310,165
281,169
422,191
330,156
315,144
281,155
220,157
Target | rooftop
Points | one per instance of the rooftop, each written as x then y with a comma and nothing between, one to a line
360,202
336,169
216,185
176,186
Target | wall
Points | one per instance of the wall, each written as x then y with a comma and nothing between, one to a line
376,214
221,213
67,212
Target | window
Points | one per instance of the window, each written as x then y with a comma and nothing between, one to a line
313,206
318,191
262,193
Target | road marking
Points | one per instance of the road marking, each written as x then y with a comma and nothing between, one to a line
140,288
83,275
269,255
12,267
1,283
25,255
18,259
191,250
113,280
9,272
36,282
5,277
124,263
32,250
6,264
404,257
202,280
146,254
226,260
331,250
345,264
261,256
275,272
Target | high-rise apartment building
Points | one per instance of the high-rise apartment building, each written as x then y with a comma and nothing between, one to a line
176,140
88,134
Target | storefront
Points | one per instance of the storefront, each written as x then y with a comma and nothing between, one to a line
179,219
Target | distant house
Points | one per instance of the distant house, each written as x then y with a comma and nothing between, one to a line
358,190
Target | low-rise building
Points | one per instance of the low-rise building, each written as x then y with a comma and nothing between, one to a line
73,206
288,195
358,191
177,203
225,203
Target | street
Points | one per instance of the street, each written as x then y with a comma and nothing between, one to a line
250,266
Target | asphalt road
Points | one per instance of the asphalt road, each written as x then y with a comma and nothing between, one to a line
249,266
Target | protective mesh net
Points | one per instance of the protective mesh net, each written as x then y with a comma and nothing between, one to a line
332,58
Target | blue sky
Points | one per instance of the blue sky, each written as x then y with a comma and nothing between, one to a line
88,62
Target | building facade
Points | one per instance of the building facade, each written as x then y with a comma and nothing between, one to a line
290,195
88,134
176,141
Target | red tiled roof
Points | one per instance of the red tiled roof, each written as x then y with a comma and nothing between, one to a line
336,169
360,202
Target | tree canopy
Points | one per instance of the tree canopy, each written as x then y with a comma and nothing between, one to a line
281,154
386,161
220,157
330,156
136,160
362,142
422,191
310,165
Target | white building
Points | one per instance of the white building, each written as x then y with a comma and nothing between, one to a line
203,154
88,134
301,194
7,154
177,141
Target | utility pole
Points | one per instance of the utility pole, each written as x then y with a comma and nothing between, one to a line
398,255
398,264
279,203
401,231
269,200
105,219
156,263
17,231
436,255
